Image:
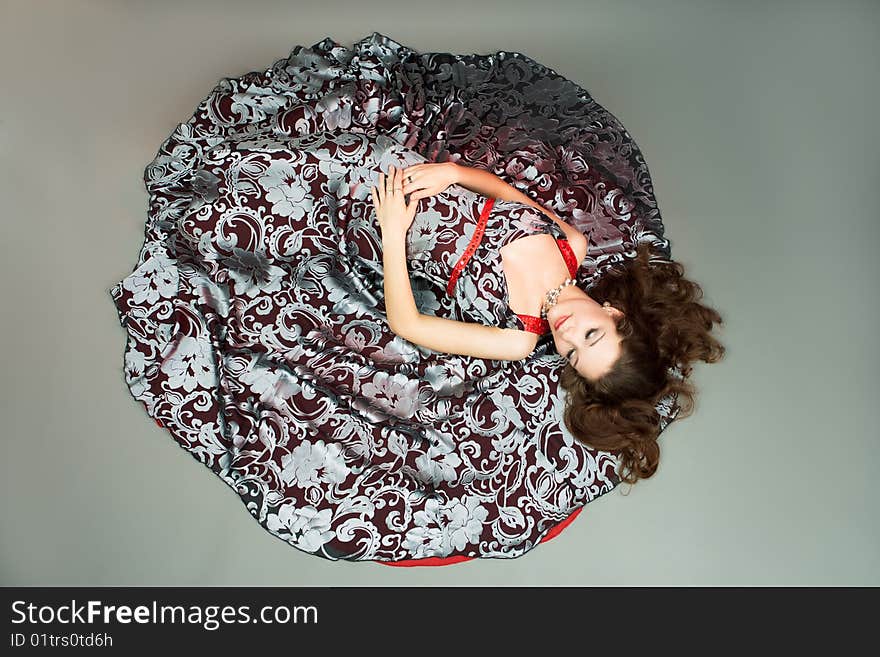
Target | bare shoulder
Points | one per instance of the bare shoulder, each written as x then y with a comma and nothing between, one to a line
579,244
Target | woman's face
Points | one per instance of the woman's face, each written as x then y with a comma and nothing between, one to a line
587,336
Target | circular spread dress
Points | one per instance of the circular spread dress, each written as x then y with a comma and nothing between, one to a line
256,328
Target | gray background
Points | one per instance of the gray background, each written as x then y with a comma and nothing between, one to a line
759,124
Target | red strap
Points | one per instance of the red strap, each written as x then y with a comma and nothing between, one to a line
569,256
534,324
472,245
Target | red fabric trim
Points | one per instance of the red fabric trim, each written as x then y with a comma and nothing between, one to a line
430,561
448,561
569,257
472,245
534,324
557,530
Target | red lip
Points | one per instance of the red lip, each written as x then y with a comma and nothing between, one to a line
559,323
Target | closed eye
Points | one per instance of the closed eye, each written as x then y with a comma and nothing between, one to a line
587,337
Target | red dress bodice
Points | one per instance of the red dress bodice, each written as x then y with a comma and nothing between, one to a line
530,323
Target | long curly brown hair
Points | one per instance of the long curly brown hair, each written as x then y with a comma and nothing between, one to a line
663,326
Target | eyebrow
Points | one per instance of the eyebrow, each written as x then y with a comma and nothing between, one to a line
592,345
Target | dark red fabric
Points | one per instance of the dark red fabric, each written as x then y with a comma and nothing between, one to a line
448,561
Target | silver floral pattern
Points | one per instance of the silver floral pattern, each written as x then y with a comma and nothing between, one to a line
255,318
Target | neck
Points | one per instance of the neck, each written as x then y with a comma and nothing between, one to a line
570,292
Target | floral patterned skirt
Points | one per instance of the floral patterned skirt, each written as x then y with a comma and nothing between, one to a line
254,318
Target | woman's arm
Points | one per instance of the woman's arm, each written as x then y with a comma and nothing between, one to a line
437,333
470,338
488,184
400,306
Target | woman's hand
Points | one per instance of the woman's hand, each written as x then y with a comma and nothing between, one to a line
421,180
395,216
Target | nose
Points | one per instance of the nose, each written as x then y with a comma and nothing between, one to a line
567,327
572,332
563,342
